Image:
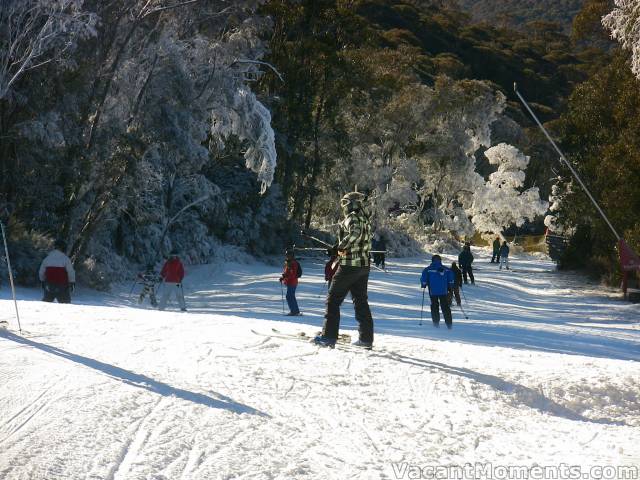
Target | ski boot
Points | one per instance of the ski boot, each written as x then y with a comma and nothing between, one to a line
323,341
362,344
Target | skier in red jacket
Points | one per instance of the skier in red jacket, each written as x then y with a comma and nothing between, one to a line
172,274
289,277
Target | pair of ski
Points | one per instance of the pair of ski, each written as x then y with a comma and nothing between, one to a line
343,343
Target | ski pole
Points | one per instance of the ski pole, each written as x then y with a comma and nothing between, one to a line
321,242
13,288
282,295
466,317
132,287
322,288
464,296
422,308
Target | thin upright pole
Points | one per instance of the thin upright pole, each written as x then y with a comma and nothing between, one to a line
13,288
282,295
564,159
422,307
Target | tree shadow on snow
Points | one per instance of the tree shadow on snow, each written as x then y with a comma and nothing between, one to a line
138,380
518,393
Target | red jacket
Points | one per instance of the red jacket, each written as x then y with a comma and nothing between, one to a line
290,274
173,271
331,268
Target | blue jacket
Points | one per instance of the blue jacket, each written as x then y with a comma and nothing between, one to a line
504,251
438,278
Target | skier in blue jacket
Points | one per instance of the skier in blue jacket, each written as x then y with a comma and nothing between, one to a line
439,279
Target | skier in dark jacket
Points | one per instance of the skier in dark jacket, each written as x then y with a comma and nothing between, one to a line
504,255
379,245
465,259
354,245
440,281
496,251
457,285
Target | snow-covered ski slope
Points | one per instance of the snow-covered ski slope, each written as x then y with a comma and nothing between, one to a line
544,374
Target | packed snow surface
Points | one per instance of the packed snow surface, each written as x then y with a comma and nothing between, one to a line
544,373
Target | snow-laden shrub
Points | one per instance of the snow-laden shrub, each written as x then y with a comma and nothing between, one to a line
27,249
103,267
557,198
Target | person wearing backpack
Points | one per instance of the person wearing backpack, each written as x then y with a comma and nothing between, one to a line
290,275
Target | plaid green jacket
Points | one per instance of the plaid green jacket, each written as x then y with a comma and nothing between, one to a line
355,239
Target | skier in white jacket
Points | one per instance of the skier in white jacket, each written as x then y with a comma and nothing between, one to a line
57,275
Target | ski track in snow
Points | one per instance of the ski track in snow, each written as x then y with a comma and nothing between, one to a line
545,371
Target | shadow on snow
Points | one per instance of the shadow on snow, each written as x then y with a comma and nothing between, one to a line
138,380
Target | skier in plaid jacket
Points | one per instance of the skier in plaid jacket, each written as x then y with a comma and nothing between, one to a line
354,245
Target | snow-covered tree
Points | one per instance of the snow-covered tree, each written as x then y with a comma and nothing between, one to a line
34,33
624,24
461,125
501,202
557,199
166,98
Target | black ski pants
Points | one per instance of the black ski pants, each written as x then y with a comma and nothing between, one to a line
354,280
59,292
454,292
438,302
468,271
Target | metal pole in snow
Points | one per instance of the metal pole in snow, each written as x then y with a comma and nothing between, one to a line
13,288
564,159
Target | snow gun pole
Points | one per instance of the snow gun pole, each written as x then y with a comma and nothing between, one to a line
564,159
13,288
422,308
